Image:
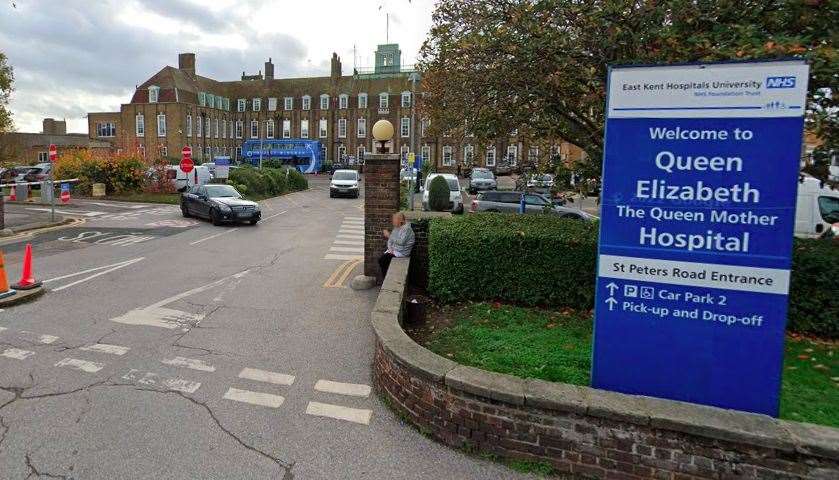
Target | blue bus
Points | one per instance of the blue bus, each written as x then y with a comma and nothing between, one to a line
304,155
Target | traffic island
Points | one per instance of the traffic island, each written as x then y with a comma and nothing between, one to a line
585,432
21,296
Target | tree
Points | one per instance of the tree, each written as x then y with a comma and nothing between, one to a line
491,66
438,194
6,78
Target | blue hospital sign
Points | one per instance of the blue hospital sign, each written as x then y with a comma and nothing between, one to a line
700,174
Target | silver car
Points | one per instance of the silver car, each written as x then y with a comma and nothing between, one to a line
482,179
509,202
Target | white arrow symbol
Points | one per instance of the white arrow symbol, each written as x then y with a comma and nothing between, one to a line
612,287
611,301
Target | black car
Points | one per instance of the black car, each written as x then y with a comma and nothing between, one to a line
219,203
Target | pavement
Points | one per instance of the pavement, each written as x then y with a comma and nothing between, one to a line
168,348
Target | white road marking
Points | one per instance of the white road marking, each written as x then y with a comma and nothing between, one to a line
333,256
358,249
155,380
350,237
74,213
254,398
106,348
112,268
359,243
354,218
2,328
353,223
47,339
91,270
83,365
266,376
200,289
355,415
274,215
351,231
16,353
191,363
351,389
213,236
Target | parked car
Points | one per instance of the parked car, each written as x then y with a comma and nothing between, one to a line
220,204
509,202
183,181
816,207
21,173
540,182
503,169
7,175
407,175
455,194
344,182
482,179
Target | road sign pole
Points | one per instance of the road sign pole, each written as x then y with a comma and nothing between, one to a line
53,154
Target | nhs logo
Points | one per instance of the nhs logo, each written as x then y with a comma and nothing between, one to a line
780,82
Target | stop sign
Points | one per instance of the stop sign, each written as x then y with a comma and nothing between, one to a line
186,160
53,153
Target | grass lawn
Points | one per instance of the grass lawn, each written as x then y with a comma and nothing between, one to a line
170,198
556,346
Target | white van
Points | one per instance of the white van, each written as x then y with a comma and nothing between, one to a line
200,175
817,207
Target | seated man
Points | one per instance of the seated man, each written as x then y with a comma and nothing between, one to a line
400,241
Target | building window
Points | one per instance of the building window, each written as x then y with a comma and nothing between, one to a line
223,129
211,100
202,99
361,128
269,129
403,154
216,131
206,127
140,125
406,99
324,102
423,126
239,128
200,126
208,151
154,94
383,97
240,105
426,153
164,152
468,155
257,104
254,128
343,101
272,104
306,102
304,129
238,153
189,125
322,128
342,128
161,124
286,128
490,157
447,156
342,152
362,100
533,154
106,129
360,152
512,154
230,131
405,127
43,157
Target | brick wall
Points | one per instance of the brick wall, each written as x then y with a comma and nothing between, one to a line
580,431
381,201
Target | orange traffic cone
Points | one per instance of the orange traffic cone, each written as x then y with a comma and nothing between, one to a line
12,194
27,280
5,291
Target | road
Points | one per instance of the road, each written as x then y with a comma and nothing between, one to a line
168,348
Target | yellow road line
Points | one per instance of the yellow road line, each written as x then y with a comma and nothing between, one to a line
339,276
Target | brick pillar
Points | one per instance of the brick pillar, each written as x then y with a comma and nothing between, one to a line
381,200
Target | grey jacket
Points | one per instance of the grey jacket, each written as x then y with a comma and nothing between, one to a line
401,241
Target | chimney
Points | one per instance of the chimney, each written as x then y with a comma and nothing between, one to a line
269,70
186,63
336,66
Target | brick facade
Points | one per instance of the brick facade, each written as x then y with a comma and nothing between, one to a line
583,432
381,200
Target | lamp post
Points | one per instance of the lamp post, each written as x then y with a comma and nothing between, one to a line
382,133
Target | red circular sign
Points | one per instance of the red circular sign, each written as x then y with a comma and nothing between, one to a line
186,152
187,164
53,153
65,196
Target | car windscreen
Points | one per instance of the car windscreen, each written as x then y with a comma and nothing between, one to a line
215,191
453,185
343,176
482,175
829,208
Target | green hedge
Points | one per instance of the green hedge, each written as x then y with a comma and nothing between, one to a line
525,259
544,260
268,182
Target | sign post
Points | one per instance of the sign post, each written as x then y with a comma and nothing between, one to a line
53,155
700,173
187,165
65,193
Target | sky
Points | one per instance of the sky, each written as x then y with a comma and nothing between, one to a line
71,57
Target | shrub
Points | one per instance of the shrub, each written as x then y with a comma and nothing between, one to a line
525,259
814,295
121,173
438,194
296,180
545,260
268,182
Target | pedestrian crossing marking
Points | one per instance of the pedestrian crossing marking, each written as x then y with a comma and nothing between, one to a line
266,376
348,242
355,415
351,389
154,380
254,398
190,363
356,249
16,353
106,348
82,365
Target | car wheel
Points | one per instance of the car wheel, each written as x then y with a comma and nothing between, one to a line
185,211
254,221
331,195
215,217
